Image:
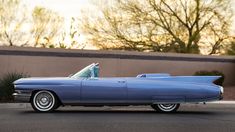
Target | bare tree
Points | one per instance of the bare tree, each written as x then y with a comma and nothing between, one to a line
46,26
231,48
184,26
12,22
70,39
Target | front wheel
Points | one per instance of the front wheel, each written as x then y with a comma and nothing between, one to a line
167,108
44,101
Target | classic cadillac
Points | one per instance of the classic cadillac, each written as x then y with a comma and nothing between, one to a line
162,92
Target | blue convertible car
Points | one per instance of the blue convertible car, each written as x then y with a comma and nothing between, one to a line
163,92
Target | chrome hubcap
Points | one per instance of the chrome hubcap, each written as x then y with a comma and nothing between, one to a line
44,100
167,107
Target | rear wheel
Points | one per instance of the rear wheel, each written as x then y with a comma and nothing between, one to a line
167,108
44,101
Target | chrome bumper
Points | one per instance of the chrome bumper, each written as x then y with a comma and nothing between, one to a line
20,96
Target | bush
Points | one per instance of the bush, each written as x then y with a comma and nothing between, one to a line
219,81
7,87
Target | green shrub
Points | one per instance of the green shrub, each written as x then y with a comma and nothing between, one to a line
219,81
7,87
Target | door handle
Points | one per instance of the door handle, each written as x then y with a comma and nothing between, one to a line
121,81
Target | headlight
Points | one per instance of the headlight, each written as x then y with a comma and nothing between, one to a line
22,91
18,91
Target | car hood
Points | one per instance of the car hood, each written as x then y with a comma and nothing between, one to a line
41,80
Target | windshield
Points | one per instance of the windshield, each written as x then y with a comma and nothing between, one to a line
87,72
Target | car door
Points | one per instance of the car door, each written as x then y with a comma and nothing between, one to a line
104,90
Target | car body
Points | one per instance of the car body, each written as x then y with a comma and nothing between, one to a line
162,91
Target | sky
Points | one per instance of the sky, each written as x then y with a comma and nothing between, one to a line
68,8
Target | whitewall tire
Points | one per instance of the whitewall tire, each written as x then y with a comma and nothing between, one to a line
44,101
167,108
